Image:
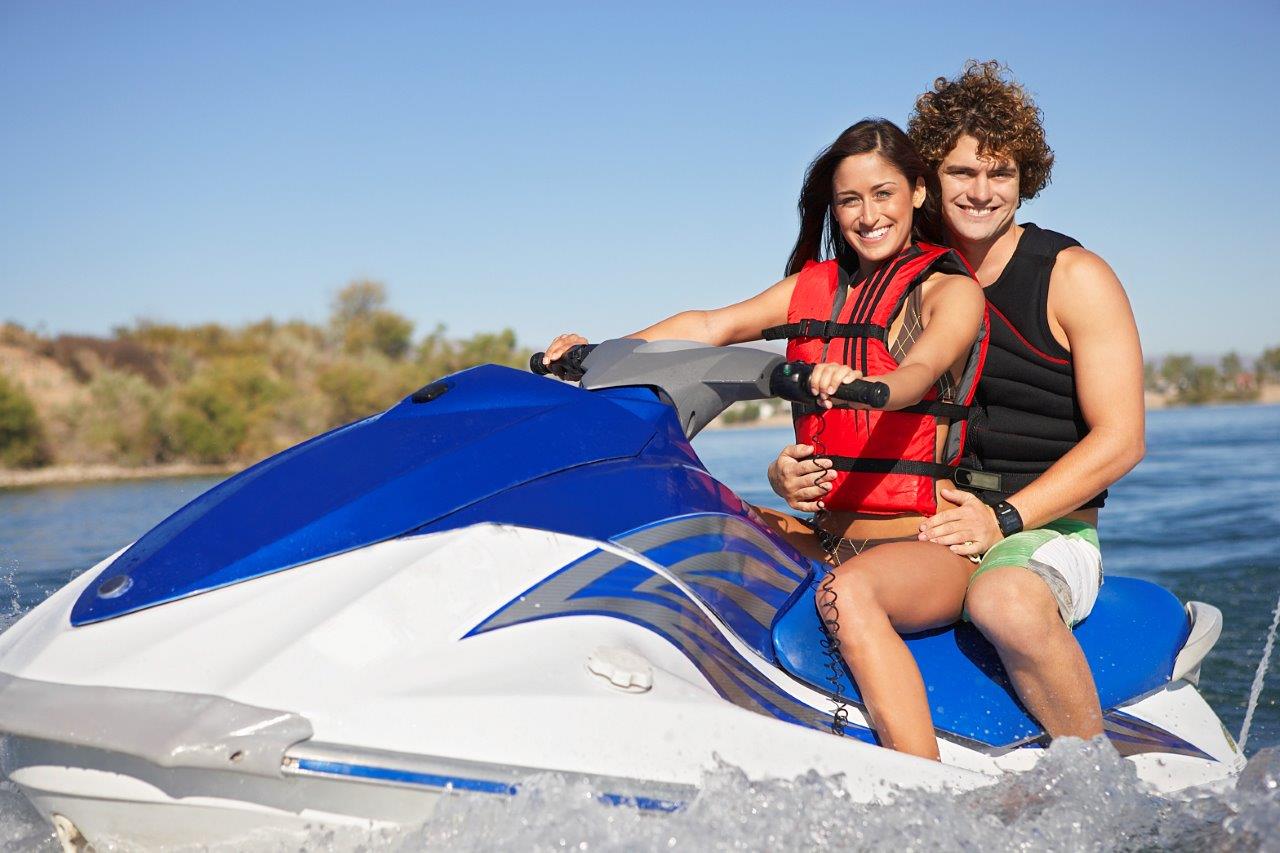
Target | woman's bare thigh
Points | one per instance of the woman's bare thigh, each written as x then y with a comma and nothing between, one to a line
920,585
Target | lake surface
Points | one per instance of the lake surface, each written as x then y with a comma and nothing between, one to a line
1200,515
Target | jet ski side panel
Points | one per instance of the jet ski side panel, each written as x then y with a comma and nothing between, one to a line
373,480
1130,640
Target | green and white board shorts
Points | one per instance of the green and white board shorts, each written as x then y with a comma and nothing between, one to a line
1064,553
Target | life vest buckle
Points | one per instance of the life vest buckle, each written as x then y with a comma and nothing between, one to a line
982,481
817,329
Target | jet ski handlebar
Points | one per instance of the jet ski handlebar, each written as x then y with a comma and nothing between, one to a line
788,380
568,366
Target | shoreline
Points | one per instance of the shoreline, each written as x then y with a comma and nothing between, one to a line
60,475
1154,403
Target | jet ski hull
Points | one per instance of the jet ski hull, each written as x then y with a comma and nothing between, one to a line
316,650
384,697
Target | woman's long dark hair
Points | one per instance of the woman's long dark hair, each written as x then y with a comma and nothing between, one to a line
820,235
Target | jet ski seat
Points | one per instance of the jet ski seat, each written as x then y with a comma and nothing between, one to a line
1131,640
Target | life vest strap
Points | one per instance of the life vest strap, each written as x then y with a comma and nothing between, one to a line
939,408
970,479
825,330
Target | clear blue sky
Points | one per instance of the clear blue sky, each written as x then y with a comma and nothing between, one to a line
590,166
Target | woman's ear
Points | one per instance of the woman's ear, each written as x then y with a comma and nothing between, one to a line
918,197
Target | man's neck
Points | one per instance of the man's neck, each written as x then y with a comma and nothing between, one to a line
989,257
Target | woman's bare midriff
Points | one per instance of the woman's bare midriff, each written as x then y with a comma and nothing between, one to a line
866,530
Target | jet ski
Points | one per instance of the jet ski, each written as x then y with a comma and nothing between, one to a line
505,575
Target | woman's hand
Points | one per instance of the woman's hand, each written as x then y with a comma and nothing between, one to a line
827,378
800,481
969,530
561,345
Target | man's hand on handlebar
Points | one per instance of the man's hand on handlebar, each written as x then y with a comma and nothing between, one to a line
799,480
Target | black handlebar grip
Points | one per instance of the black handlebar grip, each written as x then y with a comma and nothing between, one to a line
568,366
873,394
790,381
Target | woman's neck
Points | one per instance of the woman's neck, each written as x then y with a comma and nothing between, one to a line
866,268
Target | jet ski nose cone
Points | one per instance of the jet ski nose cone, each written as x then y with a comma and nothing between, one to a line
115,587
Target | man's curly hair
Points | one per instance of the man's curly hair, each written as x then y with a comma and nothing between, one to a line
993,108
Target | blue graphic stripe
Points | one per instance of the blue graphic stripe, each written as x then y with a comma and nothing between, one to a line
757,687
480,627
622,582
644,803
390,774
605,588
1127,728
795,563
676,551
462,783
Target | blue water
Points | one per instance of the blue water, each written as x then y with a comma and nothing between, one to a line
1200,515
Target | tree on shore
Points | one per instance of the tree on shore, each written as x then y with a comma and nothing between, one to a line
159,392
1268,366
1191,382
22,443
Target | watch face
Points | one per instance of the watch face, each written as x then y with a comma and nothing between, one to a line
1008,518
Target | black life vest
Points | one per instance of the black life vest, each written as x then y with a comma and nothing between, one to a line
1028,415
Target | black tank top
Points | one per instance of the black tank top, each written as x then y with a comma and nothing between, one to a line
1028,415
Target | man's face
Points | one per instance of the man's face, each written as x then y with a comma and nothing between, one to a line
979,194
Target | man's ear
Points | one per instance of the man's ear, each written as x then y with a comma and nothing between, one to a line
918,197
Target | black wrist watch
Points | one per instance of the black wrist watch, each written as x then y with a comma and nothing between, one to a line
1008,518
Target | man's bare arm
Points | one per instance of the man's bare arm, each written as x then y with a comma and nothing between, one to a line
1089,304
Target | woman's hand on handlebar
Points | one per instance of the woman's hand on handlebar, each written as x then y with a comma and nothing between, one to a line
799,480
829,376
561,345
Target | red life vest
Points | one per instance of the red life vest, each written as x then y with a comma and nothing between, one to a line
885,461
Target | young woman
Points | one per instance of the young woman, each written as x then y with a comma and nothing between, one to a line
900,311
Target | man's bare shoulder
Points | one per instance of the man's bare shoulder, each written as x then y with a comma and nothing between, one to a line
1084,273
1084,290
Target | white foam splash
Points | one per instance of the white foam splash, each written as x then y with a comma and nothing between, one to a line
1082,796
1260,676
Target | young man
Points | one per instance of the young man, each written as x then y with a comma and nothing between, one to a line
1061,406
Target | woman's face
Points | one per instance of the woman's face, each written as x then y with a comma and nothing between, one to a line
873,206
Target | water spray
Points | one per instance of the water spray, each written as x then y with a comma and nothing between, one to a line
1260,676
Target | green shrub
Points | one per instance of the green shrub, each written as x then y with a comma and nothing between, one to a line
122,421
361,322
22,443
356,388
216,412
742,413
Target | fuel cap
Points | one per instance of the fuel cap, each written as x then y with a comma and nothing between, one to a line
115,587
622,668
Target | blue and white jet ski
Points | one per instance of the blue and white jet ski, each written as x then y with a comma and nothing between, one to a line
501,575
